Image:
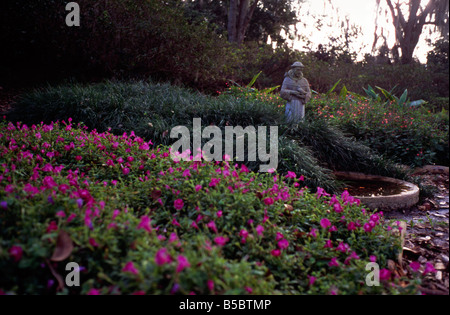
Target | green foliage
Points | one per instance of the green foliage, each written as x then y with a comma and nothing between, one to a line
143,223
409,135
152,110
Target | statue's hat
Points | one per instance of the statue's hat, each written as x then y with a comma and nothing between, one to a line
297,64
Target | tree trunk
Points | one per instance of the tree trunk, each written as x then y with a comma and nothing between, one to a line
232,21
407,33
239,15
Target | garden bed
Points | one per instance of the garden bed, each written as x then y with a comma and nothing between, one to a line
142,223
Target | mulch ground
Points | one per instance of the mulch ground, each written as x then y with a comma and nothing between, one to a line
427,235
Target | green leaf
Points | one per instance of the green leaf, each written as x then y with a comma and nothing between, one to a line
254,80
387,94
334,86
402,99
344,92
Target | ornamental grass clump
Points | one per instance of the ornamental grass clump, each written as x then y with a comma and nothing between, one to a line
136,221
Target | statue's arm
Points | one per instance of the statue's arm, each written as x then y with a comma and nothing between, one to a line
286,93
307,89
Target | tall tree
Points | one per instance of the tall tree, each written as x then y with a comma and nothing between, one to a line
409,23
246,20
239,15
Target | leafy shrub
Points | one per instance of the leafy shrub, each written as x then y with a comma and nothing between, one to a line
411,136
142,223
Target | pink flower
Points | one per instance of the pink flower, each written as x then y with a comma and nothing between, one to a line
337,207
428,268
275,252
324,223
244,169
53,226
343,247
415,266
373,258
173,237
351,226
60,214
313,233
214,182
92,242
219,213
145,224
328,244
268,201
78,158
16,252
291,175
279,236
248,289
212,226
312,279
178,204
385,274
198,187
283,244
129,267
162,257
194,225
260,230
332,229
182,263
367,228
94,292
220,240
186,173
126,171
144,146
210,285
333,262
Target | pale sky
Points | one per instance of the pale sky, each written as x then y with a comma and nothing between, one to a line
359,12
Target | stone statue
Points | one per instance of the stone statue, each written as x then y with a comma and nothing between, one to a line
295,90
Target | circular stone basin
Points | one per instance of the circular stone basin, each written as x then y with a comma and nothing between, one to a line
378,192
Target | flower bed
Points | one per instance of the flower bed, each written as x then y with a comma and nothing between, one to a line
142,223
408,135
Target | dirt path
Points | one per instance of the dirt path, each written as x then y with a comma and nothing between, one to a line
427,237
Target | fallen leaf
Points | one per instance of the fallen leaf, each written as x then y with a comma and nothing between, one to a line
64,247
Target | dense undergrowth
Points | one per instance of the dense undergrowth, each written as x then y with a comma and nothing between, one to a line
141,222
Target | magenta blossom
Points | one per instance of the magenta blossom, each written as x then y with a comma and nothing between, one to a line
291,175
182,263
145,224
212,226
428,268
129,267
283,244
324,223
385,274
178,204
16,252
268,201
312,279
275,252
415,266
260,230
333,262
162,257
220,240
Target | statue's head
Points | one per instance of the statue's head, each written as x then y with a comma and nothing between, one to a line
297,68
